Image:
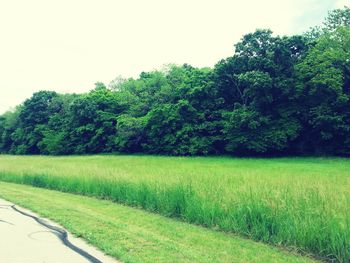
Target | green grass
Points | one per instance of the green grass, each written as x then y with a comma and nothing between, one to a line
295,202
133,235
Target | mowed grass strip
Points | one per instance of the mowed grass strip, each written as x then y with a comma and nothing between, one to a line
294,202
133,235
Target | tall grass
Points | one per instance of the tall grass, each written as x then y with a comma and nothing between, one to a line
297,202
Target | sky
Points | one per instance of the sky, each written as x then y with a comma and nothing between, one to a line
68,45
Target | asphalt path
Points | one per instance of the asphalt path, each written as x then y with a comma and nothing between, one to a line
27,238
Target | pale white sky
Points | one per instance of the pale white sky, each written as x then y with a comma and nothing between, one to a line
68,45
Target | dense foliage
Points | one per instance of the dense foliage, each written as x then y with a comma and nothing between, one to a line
275,95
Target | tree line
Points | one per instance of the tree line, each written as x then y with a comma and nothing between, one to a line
274,95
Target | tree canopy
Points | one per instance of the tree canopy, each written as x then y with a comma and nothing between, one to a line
274,95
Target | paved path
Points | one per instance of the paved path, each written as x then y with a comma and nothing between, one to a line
25,238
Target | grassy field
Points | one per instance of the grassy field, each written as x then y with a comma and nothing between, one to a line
296,202
133,235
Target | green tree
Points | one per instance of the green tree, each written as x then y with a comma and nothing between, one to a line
337,18
8,125
34,113
130,133
93,119
324,86
274,95
258,87
55,133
